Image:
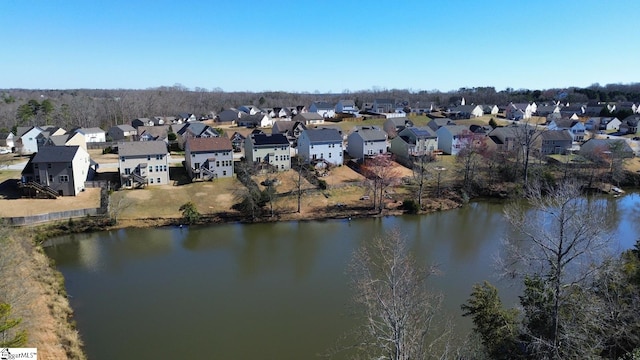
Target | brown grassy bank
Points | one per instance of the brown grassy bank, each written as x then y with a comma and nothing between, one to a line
36,292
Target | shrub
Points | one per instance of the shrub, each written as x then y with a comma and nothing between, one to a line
410,206
322,184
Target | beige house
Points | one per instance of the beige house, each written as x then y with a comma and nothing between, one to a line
143,163
208,157
272,149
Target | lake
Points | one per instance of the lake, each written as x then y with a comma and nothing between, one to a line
277,290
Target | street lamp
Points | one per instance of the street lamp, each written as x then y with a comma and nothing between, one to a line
439,169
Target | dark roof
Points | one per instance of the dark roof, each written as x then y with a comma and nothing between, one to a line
421,132
269,139
323,135
52,154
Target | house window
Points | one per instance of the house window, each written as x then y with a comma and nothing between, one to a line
217,163
196,166
50,178
193,155
148,157
165,168
158,168
151,181
224,172
127,171
150,168
122,158
48,166
158,180
64,178
329,155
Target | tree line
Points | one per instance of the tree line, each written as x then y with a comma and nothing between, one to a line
105,108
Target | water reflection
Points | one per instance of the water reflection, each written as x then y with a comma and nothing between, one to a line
263,290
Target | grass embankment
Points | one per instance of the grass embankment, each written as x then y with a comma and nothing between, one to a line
36,292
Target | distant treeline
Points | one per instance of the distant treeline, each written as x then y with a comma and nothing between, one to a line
105,108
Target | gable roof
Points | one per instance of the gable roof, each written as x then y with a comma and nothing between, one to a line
592,145
323,135
53,154
309,116
565,123
455,129
269,139
347,103
422,132
140,148
322,105
92,130
370,133
208,144
125,127
556,135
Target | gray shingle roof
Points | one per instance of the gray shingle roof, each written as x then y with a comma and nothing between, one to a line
371,133
53,154
323,135
139,148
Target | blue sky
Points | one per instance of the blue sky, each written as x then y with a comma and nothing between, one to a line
325,46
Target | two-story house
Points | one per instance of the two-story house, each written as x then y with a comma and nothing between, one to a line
346,107
27,139
552,142
309,118
194,130
58,171
208,158
122,132
367,141
394,125
321,144
414,141
143,163
323,109
272,149
575,127
93,135
451,138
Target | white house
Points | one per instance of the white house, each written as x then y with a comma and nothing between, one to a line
575,127
27,142
93,135
365,141
520,111
451,137
323,109
208,158
321,144
272,149
346,107
143,163
7,140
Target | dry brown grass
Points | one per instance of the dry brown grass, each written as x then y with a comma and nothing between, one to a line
90,198
36,293
165,201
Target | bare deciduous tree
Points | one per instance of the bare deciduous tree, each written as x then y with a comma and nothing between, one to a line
402,318
558,240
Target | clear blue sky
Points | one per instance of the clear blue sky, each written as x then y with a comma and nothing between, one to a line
325,46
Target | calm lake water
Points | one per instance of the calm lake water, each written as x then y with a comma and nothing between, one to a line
265,291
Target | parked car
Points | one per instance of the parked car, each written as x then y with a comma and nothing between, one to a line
5,151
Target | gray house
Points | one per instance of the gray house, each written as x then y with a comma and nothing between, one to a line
122,132
143,163
321,144
366,141
208,158
414,141
553,142
58,170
